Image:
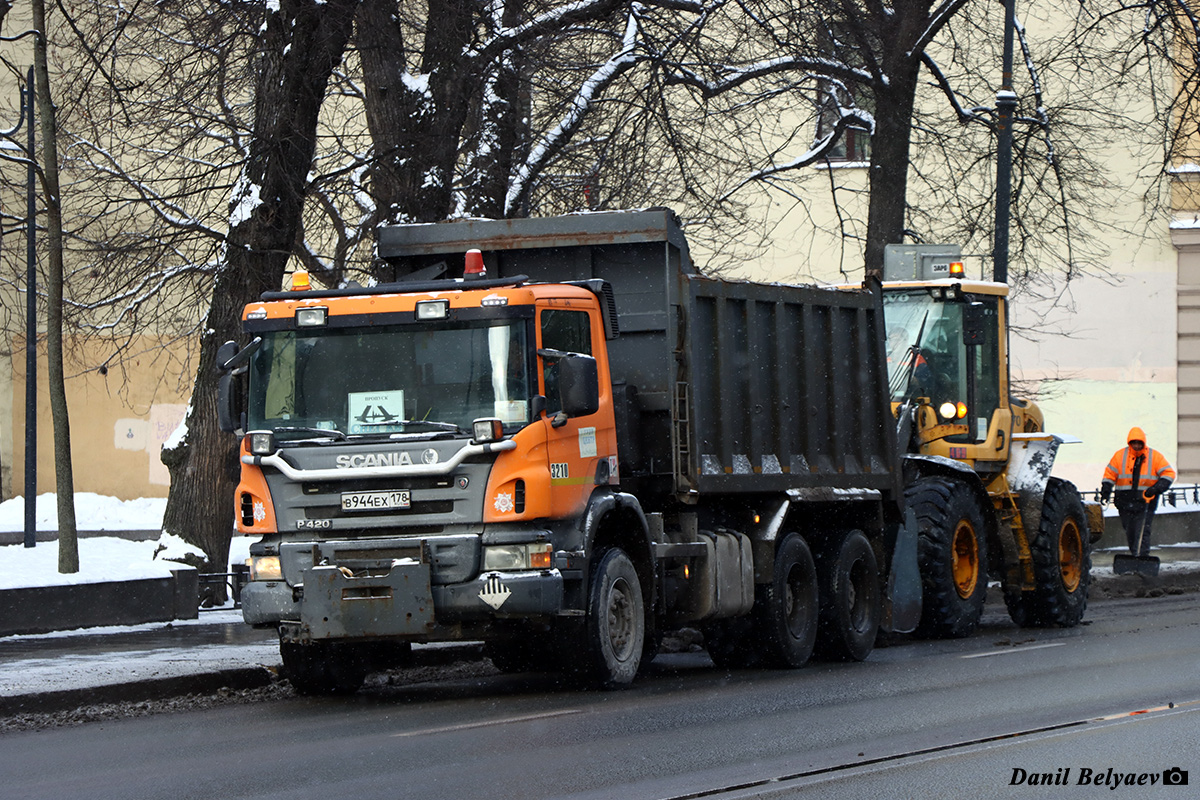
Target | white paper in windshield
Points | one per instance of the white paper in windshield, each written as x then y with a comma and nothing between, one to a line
375,412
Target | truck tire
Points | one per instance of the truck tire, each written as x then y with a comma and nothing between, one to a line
615,630
785,610
324,667
851,599
1062,562
730,642
952,553
532,654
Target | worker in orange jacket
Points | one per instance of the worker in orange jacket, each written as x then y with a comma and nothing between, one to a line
1140,474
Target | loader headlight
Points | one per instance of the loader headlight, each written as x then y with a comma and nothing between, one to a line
265,568
950,410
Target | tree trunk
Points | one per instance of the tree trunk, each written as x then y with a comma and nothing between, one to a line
886,215
302,44
415,126
68,543
500,138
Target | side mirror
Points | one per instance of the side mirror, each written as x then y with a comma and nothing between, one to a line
225,354
229,402
974,320
578,385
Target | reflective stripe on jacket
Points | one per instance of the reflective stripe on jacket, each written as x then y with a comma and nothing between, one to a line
1120,469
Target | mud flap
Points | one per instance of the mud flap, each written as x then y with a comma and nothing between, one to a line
339,607
902,604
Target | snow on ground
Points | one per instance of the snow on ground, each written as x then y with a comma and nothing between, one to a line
93,512
101,558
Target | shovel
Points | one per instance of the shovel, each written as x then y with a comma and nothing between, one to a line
1141,565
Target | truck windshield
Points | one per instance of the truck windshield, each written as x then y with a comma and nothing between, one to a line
390,379
927,356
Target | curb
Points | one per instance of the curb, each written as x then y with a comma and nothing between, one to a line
137,691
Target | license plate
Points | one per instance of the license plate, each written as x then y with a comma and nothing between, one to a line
374,501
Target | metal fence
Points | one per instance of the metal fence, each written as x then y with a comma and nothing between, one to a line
210,584
1178,495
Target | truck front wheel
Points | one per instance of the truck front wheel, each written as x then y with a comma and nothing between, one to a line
324,667
616,622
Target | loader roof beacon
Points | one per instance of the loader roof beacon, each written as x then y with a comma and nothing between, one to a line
978,460
564,451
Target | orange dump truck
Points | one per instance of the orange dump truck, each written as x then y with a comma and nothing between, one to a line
556,437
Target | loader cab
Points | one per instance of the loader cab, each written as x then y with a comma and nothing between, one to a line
947,357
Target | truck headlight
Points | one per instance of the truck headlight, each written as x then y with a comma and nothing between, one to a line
262,443
508,557
487,429
265,568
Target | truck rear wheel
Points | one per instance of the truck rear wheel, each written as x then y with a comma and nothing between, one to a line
851,600
952,553
616,622
324,667
785,610
1062,562
730,642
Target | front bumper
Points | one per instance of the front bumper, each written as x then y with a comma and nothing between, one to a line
328,604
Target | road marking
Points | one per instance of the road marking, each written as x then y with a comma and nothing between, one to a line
466,726
884,762
1015,650
1167,707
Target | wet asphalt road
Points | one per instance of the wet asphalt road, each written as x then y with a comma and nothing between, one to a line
930,719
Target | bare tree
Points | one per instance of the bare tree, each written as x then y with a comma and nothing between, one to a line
68,544
787,88
302,44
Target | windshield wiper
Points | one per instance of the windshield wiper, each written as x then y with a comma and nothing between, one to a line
439,425
332,433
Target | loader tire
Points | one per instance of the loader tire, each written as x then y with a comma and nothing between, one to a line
615,629
851,600
785,613
1062,562
322,668
952,553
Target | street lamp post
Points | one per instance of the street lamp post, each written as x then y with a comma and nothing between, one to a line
1006,106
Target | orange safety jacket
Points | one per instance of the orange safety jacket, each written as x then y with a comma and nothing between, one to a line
1120,469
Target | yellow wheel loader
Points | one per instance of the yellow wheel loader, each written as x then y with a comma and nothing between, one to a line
978,464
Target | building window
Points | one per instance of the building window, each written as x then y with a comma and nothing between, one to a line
854,145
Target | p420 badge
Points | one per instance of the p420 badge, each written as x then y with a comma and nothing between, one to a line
313,524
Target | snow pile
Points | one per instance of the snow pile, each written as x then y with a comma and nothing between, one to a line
101,558
93,512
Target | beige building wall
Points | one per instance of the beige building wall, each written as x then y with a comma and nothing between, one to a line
1105,358
118,424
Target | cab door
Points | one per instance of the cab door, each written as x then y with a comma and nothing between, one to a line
581,451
